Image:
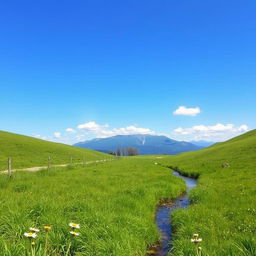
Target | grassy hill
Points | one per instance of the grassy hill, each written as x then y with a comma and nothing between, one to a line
238,152
224,203
29,152
115,201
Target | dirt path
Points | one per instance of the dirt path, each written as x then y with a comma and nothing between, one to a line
39,168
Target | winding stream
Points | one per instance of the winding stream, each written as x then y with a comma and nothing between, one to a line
163,218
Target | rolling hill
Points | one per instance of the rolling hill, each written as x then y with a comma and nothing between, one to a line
238,152
29,152
223,210
146,144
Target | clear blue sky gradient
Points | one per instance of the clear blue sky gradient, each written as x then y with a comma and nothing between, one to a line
63,63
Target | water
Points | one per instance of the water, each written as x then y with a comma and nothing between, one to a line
163,218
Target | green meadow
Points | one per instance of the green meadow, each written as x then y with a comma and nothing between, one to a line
114,202
223,209
30,152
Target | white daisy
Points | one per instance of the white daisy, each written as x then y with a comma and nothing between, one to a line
30,235
74,233
74,225
35,230
196,240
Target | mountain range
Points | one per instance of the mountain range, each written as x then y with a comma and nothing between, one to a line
146,144
202,143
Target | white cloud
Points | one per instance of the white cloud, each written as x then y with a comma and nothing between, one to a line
70,130
57,135
184,111
37,136
131,130
243,128
91,126
80,137
102,131
217,132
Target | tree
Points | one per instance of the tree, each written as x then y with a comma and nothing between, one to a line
118,151
124,151
132,151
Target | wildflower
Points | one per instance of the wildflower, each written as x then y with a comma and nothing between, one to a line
74,233
33,243
34,230
47,228
74,225
196,239
30,235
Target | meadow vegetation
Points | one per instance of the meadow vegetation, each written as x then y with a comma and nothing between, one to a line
30,152
223,209
114,203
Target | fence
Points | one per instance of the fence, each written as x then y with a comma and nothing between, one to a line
10,170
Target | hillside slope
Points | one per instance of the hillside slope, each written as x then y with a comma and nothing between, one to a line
223,211
238,152
29,152
146,144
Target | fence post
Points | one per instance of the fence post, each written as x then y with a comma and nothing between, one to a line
49,162
9,167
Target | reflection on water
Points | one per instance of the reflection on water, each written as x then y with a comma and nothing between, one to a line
163,217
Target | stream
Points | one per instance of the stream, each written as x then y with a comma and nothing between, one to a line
163,218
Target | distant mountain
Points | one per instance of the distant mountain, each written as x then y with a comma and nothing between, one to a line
146,144
203,143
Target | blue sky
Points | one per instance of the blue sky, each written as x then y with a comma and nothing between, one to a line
107,65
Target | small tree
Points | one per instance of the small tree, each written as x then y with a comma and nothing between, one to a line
118,151
124,151
132,151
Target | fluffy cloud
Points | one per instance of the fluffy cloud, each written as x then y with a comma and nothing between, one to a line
184,111
57,135
91,126
37,136
80,137
102,131
70,130
131,130
217,132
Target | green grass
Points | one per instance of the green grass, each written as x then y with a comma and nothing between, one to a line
114,202
224,203
29,152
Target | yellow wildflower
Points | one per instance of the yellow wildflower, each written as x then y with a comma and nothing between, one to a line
47,228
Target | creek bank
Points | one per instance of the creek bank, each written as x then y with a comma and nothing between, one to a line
163,217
